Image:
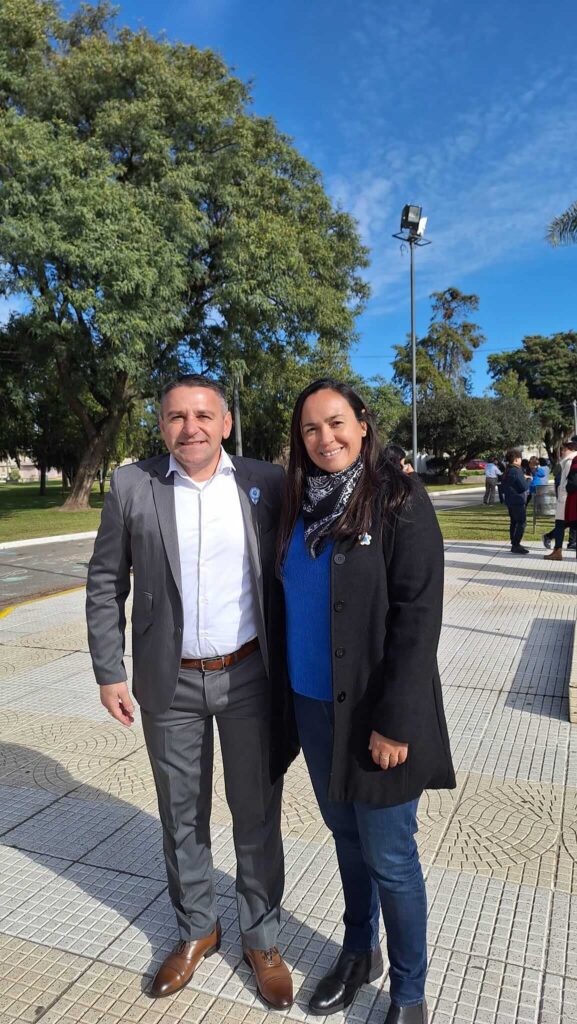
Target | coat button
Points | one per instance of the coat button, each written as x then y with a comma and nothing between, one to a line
178,631
341,696
339,559
340,652
338,606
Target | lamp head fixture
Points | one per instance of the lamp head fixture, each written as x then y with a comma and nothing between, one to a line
412,221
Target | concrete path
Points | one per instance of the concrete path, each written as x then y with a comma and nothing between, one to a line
84,916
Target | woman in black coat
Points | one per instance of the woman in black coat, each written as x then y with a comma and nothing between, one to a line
361,559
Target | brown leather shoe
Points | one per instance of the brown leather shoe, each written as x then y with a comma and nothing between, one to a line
272,977
180,965
555,556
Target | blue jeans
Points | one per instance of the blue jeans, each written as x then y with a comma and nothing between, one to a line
378,863
557,534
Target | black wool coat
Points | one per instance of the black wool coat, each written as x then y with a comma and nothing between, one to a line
386,608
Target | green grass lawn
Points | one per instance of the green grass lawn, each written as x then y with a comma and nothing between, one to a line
24,513
455,487
487,522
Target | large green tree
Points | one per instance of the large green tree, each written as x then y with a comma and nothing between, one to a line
444,354
547,366
147,218
463,427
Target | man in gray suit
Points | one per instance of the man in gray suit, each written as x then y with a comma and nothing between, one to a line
198,530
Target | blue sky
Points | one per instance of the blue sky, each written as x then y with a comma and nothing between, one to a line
467,108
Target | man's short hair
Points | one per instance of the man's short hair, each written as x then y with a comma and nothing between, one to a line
512,454
194,380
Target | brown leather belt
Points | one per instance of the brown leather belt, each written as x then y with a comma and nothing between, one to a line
223,661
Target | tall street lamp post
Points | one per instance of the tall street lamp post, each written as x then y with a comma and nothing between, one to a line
412,230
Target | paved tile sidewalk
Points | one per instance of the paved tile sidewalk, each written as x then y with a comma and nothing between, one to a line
84,915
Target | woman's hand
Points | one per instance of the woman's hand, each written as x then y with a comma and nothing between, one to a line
387,753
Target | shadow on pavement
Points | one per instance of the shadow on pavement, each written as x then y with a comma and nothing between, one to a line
63,814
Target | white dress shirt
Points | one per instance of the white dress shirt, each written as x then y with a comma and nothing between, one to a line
219,615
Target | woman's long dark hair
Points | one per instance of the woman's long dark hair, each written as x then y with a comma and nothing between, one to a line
377,471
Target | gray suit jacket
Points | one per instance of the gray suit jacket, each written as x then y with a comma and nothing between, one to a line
138,532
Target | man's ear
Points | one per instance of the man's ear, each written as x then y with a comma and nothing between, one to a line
227,425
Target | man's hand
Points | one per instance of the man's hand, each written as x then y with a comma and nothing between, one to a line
387,753
116,700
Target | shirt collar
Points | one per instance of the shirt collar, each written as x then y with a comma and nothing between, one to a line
225,465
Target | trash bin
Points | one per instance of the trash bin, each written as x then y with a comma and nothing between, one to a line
544,503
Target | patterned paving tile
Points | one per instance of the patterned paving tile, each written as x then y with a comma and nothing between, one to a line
562,938
82,910
144,944
49,974
16,660
109,995
67,734
488,917
468,715
128,780
59,666
526,737
467,989
136,848
69,637
70,828
17,805
23,876
558,1000
22,767
436,808
505,829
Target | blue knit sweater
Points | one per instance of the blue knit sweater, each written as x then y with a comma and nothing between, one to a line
307,587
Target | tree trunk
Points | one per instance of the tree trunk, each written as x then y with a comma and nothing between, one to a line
237,421
42,468
79,498
103,475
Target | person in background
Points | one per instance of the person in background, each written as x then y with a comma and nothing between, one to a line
540,474
571,488
492,474
361,560
394,453
515,487
500,465
557,534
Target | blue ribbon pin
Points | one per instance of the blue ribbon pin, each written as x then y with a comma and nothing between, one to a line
254,495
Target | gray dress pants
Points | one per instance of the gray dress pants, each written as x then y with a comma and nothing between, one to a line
180,746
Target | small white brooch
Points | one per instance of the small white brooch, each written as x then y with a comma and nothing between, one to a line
254,495
365,539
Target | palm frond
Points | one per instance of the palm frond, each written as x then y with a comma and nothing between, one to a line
563,230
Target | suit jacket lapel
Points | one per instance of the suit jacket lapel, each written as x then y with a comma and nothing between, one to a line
163,492
252,529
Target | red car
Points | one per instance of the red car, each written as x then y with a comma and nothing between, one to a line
475,464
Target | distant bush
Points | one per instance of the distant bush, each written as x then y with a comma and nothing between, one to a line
14,475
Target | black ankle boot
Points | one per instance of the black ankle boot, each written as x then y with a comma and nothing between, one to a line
407,1014
339,987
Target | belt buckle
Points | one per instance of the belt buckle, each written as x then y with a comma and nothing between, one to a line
217,657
